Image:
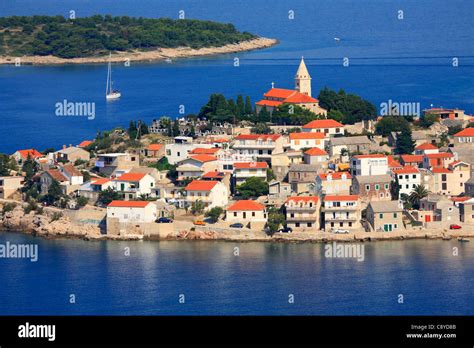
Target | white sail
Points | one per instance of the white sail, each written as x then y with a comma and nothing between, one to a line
110,94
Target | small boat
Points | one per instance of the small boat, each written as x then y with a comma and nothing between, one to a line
463,240
168,60
337,39
110,93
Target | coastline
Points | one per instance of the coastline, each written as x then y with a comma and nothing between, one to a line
160,54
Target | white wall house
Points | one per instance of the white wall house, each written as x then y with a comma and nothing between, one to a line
132,211
328,127
211,193
375,164
133,185
245,170
303,140
408,177
247,212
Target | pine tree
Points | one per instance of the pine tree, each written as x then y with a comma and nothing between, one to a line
405,143
248,106
240,105
176,131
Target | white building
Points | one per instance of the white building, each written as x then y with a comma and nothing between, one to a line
180,149
260,146
328,127
133,185
341,212
211,193
245,170
408,178
300,141
132,211
375,164
247,212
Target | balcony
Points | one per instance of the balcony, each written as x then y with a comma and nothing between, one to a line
329,218
304,208
343,208
303,218
254,146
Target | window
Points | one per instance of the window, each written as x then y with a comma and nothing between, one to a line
292,215
350,224
297,224
394,215
332,223
380,216
377,187
178,154
386,186
310,224
341,224
235,214
367,187
253,213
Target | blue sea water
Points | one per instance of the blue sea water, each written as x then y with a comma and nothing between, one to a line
216,282
213,280
414,62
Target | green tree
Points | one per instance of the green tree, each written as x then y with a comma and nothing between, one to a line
197,207
275,220
405,143
270,175
30,168
248,110
427,120
261,128
253,187
390,124
417,194
7,164
240,106
214,213
55,193
108,195
176,131
82,201
132,130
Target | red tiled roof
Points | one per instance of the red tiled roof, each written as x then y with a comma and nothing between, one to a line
201,185
439,155
56,175
335,175
128,204
213,175
406,170
316,151
33,153
412,158
460,199
71,170
426,146
101,181
204,158
466,132
85,143
154,147
246,205
258,136
329,123
307,135
271,103
250,165
300,98
303,199
342,198
131,177
204,151
374,155
440,170
279,93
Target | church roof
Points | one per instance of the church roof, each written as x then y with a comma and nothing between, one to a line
302,70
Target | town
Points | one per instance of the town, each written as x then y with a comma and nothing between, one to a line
292,166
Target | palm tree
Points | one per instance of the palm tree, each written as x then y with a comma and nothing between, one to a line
418,193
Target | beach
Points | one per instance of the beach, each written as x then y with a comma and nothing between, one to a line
160,54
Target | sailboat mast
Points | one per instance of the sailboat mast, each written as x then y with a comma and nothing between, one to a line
108,78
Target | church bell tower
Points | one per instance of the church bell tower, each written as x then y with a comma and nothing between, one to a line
302,79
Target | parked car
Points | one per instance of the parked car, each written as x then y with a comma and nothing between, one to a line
199,223
285,230
341,231
237,225
164,220
454,227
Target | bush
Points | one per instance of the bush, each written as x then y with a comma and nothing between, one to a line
8,207
81,201
56,216
214,214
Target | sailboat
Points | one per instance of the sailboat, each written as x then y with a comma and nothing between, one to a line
110,93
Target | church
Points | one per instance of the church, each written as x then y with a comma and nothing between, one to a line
300,96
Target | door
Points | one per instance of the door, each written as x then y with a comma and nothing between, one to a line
427,218
245,215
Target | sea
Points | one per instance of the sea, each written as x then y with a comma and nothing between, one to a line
397,50
75,277
400,51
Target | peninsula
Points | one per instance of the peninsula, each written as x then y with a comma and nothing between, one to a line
47,40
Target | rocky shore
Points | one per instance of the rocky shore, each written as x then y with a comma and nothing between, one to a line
147,56
51,224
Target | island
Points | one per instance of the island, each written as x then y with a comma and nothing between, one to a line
58,40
